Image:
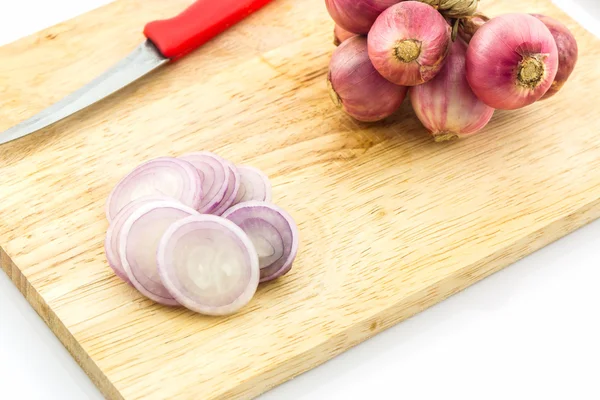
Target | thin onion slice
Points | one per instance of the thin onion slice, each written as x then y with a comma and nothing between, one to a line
113,233
214,173
138,243
208,264
254,185
233,187
166,176
272,231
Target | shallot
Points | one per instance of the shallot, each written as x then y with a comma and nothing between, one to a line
446,105
138,243
166,176
357,15
208,264
512,61
273,233
568,52
357,87
340,35
409,42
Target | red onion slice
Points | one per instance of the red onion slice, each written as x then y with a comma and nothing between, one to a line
233,187
273,233
214,174
165,176
138,244
254,185
208,264
113,233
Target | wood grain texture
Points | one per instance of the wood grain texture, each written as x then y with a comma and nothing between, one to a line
390,222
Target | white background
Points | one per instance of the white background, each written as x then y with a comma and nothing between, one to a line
530,332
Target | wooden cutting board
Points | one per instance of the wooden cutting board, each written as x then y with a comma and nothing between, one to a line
390,222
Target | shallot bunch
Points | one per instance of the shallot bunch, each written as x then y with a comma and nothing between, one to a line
457,65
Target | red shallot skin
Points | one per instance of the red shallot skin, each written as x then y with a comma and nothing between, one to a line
357,15
470,25
446,105
357,88
409,42
512,61
568,52
340,35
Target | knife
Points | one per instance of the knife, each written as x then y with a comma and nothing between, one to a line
166,41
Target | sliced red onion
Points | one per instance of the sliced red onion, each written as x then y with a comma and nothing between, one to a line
214,173
233,187
111,242
272,231
208,264
165,176
254,185
138,244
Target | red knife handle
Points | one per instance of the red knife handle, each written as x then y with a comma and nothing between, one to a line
203,20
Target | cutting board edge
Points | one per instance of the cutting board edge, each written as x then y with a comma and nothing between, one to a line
416,303
47,314
341,342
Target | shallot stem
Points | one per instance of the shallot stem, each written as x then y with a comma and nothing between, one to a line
469,25
453,8
455,26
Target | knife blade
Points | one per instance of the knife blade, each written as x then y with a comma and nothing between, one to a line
166,41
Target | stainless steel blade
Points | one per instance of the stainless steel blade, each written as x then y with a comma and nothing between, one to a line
144,59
